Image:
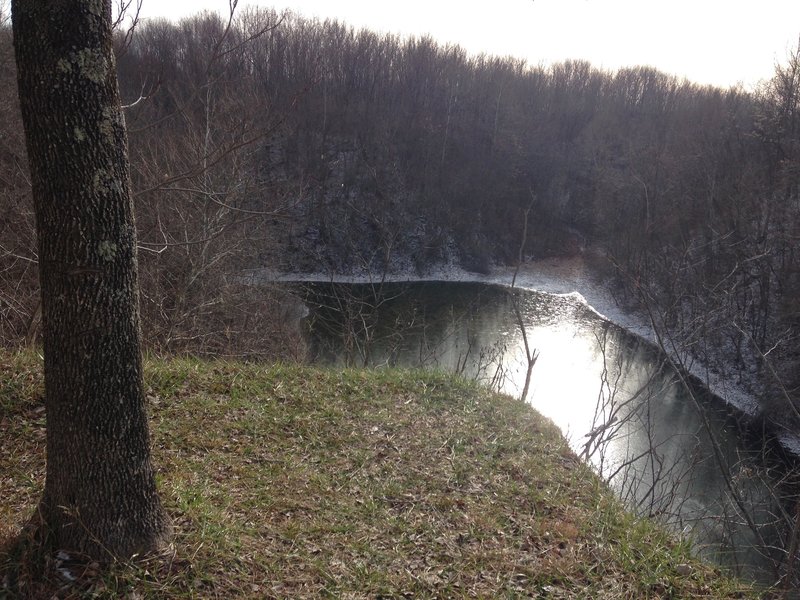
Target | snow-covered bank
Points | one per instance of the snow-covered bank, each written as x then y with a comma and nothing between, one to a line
561,276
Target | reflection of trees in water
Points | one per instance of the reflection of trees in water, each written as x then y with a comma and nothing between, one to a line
699,478
665,449
420,325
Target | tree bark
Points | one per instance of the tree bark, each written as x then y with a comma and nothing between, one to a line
100,498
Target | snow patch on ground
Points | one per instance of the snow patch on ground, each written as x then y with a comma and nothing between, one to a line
790,442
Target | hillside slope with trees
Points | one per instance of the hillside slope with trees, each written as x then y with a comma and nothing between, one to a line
269,139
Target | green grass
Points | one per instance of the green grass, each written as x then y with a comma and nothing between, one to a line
295,482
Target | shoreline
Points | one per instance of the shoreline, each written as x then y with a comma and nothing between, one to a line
574,277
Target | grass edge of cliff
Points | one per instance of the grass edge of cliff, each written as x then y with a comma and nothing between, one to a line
293,481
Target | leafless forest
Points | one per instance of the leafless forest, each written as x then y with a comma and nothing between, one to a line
269,140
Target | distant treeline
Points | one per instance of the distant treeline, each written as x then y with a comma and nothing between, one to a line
270,139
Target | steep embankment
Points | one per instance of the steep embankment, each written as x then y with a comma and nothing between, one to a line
298,482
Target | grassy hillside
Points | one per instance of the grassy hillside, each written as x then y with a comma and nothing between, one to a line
294,482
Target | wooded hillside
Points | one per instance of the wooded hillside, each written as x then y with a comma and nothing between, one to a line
270,140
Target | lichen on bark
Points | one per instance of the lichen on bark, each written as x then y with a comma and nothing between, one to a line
100,498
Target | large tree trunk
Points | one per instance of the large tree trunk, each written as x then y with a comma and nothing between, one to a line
100,497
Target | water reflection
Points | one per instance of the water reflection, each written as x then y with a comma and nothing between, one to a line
664,448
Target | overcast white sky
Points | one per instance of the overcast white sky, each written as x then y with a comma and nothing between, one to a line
721,42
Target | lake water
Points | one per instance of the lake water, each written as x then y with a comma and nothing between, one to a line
666,447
